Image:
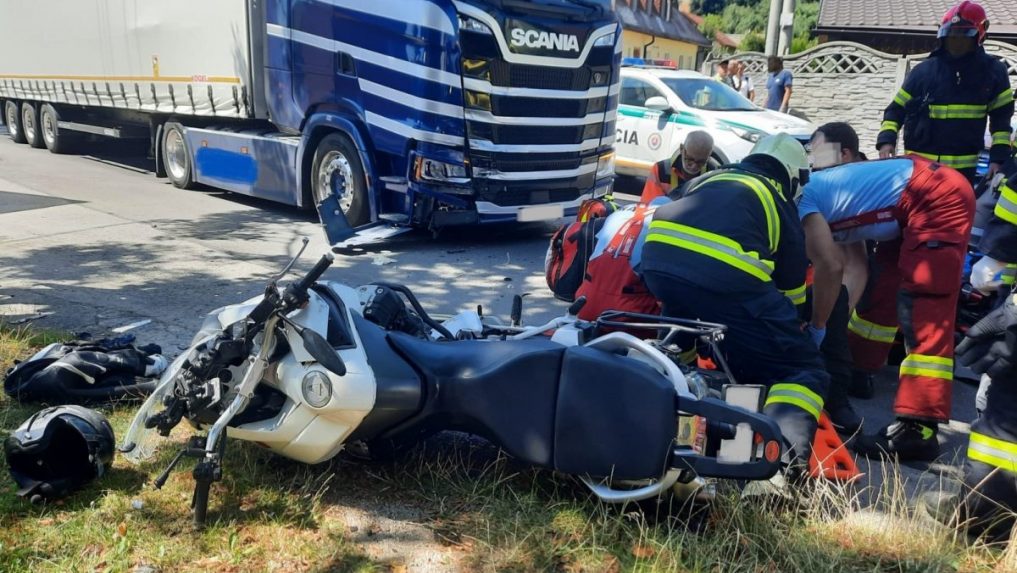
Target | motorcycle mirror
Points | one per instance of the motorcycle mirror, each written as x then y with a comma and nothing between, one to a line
293,261
322,351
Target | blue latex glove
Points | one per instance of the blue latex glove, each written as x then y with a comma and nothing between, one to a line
817,334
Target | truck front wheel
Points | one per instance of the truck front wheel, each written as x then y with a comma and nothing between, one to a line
30,125
176,157
12,117
337,171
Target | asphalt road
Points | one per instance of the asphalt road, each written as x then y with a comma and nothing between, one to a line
95,243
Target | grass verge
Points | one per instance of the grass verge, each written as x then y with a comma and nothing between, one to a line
453,503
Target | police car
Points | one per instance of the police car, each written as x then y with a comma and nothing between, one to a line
658,107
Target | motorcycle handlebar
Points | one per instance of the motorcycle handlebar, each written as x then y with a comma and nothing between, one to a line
315,273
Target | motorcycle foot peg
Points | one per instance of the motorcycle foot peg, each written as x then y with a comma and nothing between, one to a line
164,476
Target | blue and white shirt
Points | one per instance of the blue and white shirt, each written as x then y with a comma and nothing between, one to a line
847,191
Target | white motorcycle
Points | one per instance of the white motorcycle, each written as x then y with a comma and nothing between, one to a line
307,369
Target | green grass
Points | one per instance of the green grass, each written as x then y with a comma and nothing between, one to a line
480,509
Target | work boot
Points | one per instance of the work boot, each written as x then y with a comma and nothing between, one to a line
906,440
845,419
940,506
863,384
964,512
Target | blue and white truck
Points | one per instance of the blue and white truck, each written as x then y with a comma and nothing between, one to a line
426,113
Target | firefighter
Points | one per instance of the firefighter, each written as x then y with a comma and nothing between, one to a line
920,212
731,251
988,500
945,100
687,163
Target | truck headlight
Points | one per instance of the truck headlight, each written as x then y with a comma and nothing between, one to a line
427,169
605,41
747,134
605,165
470,24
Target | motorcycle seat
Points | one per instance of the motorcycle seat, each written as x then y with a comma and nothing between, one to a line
504,391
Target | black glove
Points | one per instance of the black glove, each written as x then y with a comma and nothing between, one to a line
989,345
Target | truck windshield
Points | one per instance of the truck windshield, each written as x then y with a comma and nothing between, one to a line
708,94
587,8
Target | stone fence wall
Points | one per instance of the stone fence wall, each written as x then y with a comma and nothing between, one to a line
846,81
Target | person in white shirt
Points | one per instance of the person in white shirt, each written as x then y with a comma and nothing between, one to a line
742,81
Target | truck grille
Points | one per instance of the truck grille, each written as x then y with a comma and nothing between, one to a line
485,134
533,134
539,77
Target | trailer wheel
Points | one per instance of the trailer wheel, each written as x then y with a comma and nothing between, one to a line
55,140
176,157
337,171
30,125
12,117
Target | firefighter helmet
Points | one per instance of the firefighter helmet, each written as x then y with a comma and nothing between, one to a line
790,155
965,19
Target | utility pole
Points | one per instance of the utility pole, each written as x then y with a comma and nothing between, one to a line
787,25
773,27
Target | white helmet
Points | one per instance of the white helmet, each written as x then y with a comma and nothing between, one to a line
790,154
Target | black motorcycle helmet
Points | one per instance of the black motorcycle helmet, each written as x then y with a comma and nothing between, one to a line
58,450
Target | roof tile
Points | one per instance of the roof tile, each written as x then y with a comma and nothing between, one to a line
909,14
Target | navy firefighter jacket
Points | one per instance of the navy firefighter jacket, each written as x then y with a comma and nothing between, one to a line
732,232
943,105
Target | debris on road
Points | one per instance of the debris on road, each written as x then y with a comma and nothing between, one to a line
132,325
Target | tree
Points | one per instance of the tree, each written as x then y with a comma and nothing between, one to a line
708,6
751,16
753,42
712,23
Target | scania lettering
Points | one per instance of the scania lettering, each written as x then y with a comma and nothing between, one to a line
381,115
535,39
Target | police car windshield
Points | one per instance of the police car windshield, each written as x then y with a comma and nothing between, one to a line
708,94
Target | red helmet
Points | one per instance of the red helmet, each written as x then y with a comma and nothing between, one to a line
965,19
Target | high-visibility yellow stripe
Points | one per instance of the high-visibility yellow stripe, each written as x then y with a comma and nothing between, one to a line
1001,138
1006,205
957,111
1002,99
955,161
689,356
930,358
993,451
902,97
888,125
712,245
871,330
765,197
796,395
927,365
795,295
1009,274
